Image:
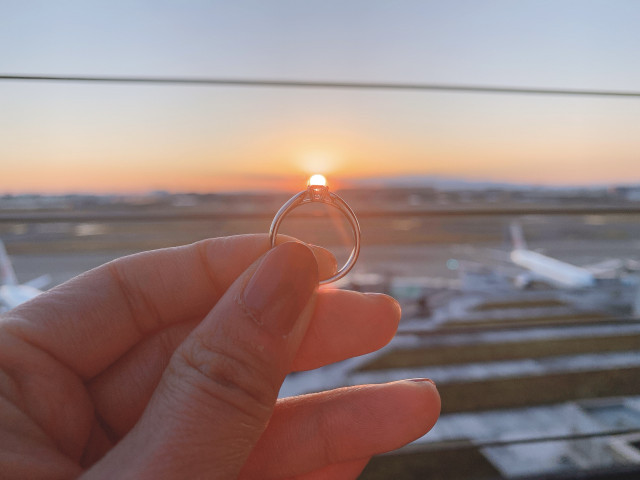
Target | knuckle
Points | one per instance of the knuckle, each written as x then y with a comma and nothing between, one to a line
143,312
230,378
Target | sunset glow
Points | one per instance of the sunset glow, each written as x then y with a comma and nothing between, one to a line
319,161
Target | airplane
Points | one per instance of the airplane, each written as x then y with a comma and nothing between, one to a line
615,282
539,268
13,293
548,269
489,267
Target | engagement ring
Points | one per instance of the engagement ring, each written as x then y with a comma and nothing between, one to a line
318,191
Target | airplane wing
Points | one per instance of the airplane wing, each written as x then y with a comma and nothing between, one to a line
606,268
40,282
13,295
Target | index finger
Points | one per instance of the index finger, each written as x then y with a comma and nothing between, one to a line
90,321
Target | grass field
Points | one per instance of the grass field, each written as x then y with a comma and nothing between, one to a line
574,318
469,464
538,390
519,304
492,352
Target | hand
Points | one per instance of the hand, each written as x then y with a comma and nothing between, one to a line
167,364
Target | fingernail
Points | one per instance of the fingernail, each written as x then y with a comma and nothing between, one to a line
387,298
326,259
422,380
281,287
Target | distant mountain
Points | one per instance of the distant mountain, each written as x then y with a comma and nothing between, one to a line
453,183
434,181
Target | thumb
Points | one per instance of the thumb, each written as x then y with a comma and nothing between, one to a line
221,385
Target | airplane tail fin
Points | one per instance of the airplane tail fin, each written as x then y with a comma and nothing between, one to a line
517,236
7,274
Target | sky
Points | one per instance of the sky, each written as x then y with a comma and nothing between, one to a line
72,137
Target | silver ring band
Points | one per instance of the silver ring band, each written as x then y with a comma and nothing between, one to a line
321,193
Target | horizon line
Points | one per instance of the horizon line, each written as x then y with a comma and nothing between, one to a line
355,184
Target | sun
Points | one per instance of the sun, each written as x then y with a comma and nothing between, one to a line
317,180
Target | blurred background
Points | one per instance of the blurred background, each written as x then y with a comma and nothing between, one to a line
490,150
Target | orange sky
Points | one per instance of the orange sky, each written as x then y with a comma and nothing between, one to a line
122,156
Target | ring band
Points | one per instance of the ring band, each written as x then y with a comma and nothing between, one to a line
321,193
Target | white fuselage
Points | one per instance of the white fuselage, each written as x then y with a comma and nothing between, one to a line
555,271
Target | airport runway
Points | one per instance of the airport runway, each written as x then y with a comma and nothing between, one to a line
405,260
432,260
